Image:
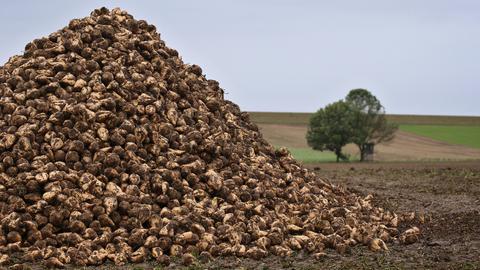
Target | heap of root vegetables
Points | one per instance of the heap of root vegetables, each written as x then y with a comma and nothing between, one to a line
112,149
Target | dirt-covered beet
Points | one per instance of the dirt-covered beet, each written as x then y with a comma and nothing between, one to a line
113,149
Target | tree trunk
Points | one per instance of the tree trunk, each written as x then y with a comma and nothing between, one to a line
338,154
362,152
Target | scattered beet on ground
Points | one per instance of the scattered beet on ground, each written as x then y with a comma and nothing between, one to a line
115,151
446,194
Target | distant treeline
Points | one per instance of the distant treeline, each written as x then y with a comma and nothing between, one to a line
287,118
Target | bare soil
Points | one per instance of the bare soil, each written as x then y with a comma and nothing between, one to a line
447,194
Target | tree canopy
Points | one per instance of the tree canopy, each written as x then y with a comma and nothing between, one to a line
359,119
369,123
330,128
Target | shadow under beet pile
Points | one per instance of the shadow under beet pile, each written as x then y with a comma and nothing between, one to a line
113,149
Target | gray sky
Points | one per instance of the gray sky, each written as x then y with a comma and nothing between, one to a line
417,57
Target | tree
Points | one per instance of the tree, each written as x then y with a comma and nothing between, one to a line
330,128
368,120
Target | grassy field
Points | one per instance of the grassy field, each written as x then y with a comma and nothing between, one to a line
308,155
463,135
440,136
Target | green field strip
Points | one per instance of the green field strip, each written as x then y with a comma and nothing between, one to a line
461,135
307,155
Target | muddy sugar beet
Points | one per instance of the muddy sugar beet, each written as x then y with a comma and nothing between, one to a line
112,149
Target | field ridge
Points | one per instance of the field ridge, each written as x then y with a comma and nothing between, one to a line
302,118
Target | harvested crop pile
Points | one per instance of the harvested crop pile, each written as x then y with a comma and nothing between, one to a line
113,149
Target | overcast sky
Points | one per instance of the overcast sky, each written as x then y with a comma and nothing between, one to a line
417,57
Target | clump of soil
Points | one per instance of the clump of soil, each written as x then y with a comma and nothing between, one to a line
113,149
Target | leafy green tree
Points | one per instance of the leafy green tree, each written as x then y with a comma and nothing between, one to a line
368,120
330,128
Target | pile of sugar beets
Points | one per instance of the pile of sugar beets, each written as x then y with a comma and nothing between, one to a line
114,150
